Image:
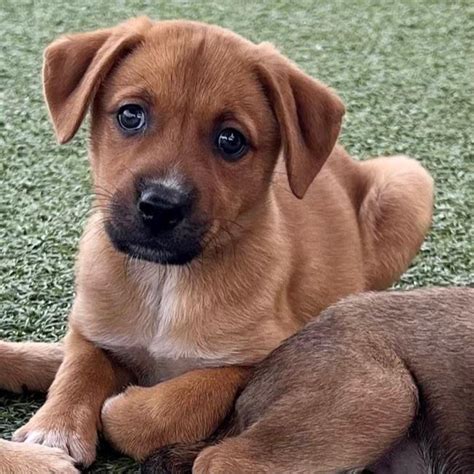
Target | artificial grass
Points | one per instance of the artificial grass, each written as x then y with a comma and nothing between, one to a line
404,70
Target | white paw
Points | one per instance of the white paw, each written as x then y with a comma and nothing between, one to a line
81,448
31,459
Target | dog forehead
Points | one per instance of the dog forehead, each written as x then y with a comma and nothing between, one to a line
186,61
199,46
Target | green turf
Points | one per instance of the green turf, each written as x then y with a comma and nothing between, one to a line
404,70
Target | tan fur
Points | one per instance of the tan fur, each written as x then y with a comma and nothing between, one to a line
28,365
172,404
70,418
271,260
23,458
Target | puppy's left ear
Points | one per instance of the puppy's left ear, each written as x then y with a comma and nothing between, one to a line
309,115
75,65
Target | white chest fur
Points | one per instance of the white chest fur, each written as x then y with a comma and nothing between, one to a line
157,341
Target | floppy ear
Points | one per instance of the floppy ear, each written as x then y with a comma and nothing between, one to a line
309,115
74,67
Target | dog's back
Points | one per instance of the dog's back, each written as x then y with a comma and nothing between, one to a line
390,371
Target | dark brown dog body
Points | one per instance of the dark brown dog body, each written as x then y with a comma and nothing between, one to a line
383,381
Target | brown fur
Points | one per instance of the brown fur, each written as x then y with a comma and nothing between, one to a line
29,365
173,405
382,381
22,458
270,261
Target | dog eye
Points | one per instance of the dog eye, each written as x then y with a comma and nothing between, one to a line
131,118
232,144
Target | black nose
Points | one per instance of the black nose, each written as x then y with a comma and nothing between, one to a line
163,208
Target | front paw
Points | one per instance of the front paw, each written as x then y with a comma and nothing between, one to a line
183,410
126,424
74,432
20,458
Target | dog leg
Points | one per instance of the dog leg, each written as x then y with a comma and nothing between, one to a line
22,458
70,417
395,216
184,409
346,424
29,365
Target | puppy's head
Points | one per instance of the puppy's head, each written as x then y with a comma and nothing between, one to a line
187,123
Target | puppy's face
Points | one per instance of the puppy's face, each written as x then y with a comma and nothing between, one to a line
186,128
183,143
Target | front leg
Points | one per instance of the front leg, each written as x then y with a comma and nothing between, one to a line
70,418
181,410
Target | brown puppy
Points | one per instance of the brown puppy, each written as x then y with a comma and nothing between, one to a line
201,251
383,381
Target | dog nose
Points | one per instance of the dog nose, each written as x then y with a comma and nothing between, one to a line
162,208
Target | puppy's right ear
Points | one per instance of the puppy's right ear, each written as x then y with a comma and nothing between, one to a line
74,67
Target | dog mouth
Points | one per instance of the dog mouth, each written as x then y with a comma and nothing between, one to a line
160,255
179,247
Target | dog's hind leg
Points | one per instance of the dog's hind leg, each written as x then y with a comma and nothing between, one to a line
347,423
29,365
395,215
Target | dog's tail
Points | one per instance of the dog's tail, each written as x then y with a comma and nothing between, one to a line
179,458
29,366
173,459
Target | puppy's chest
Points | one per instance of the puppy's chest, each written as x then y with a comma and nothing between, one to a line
150,369
166,335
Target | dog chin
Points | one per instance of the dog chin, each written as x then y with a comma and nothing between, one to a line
161,256
155,254
179,252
